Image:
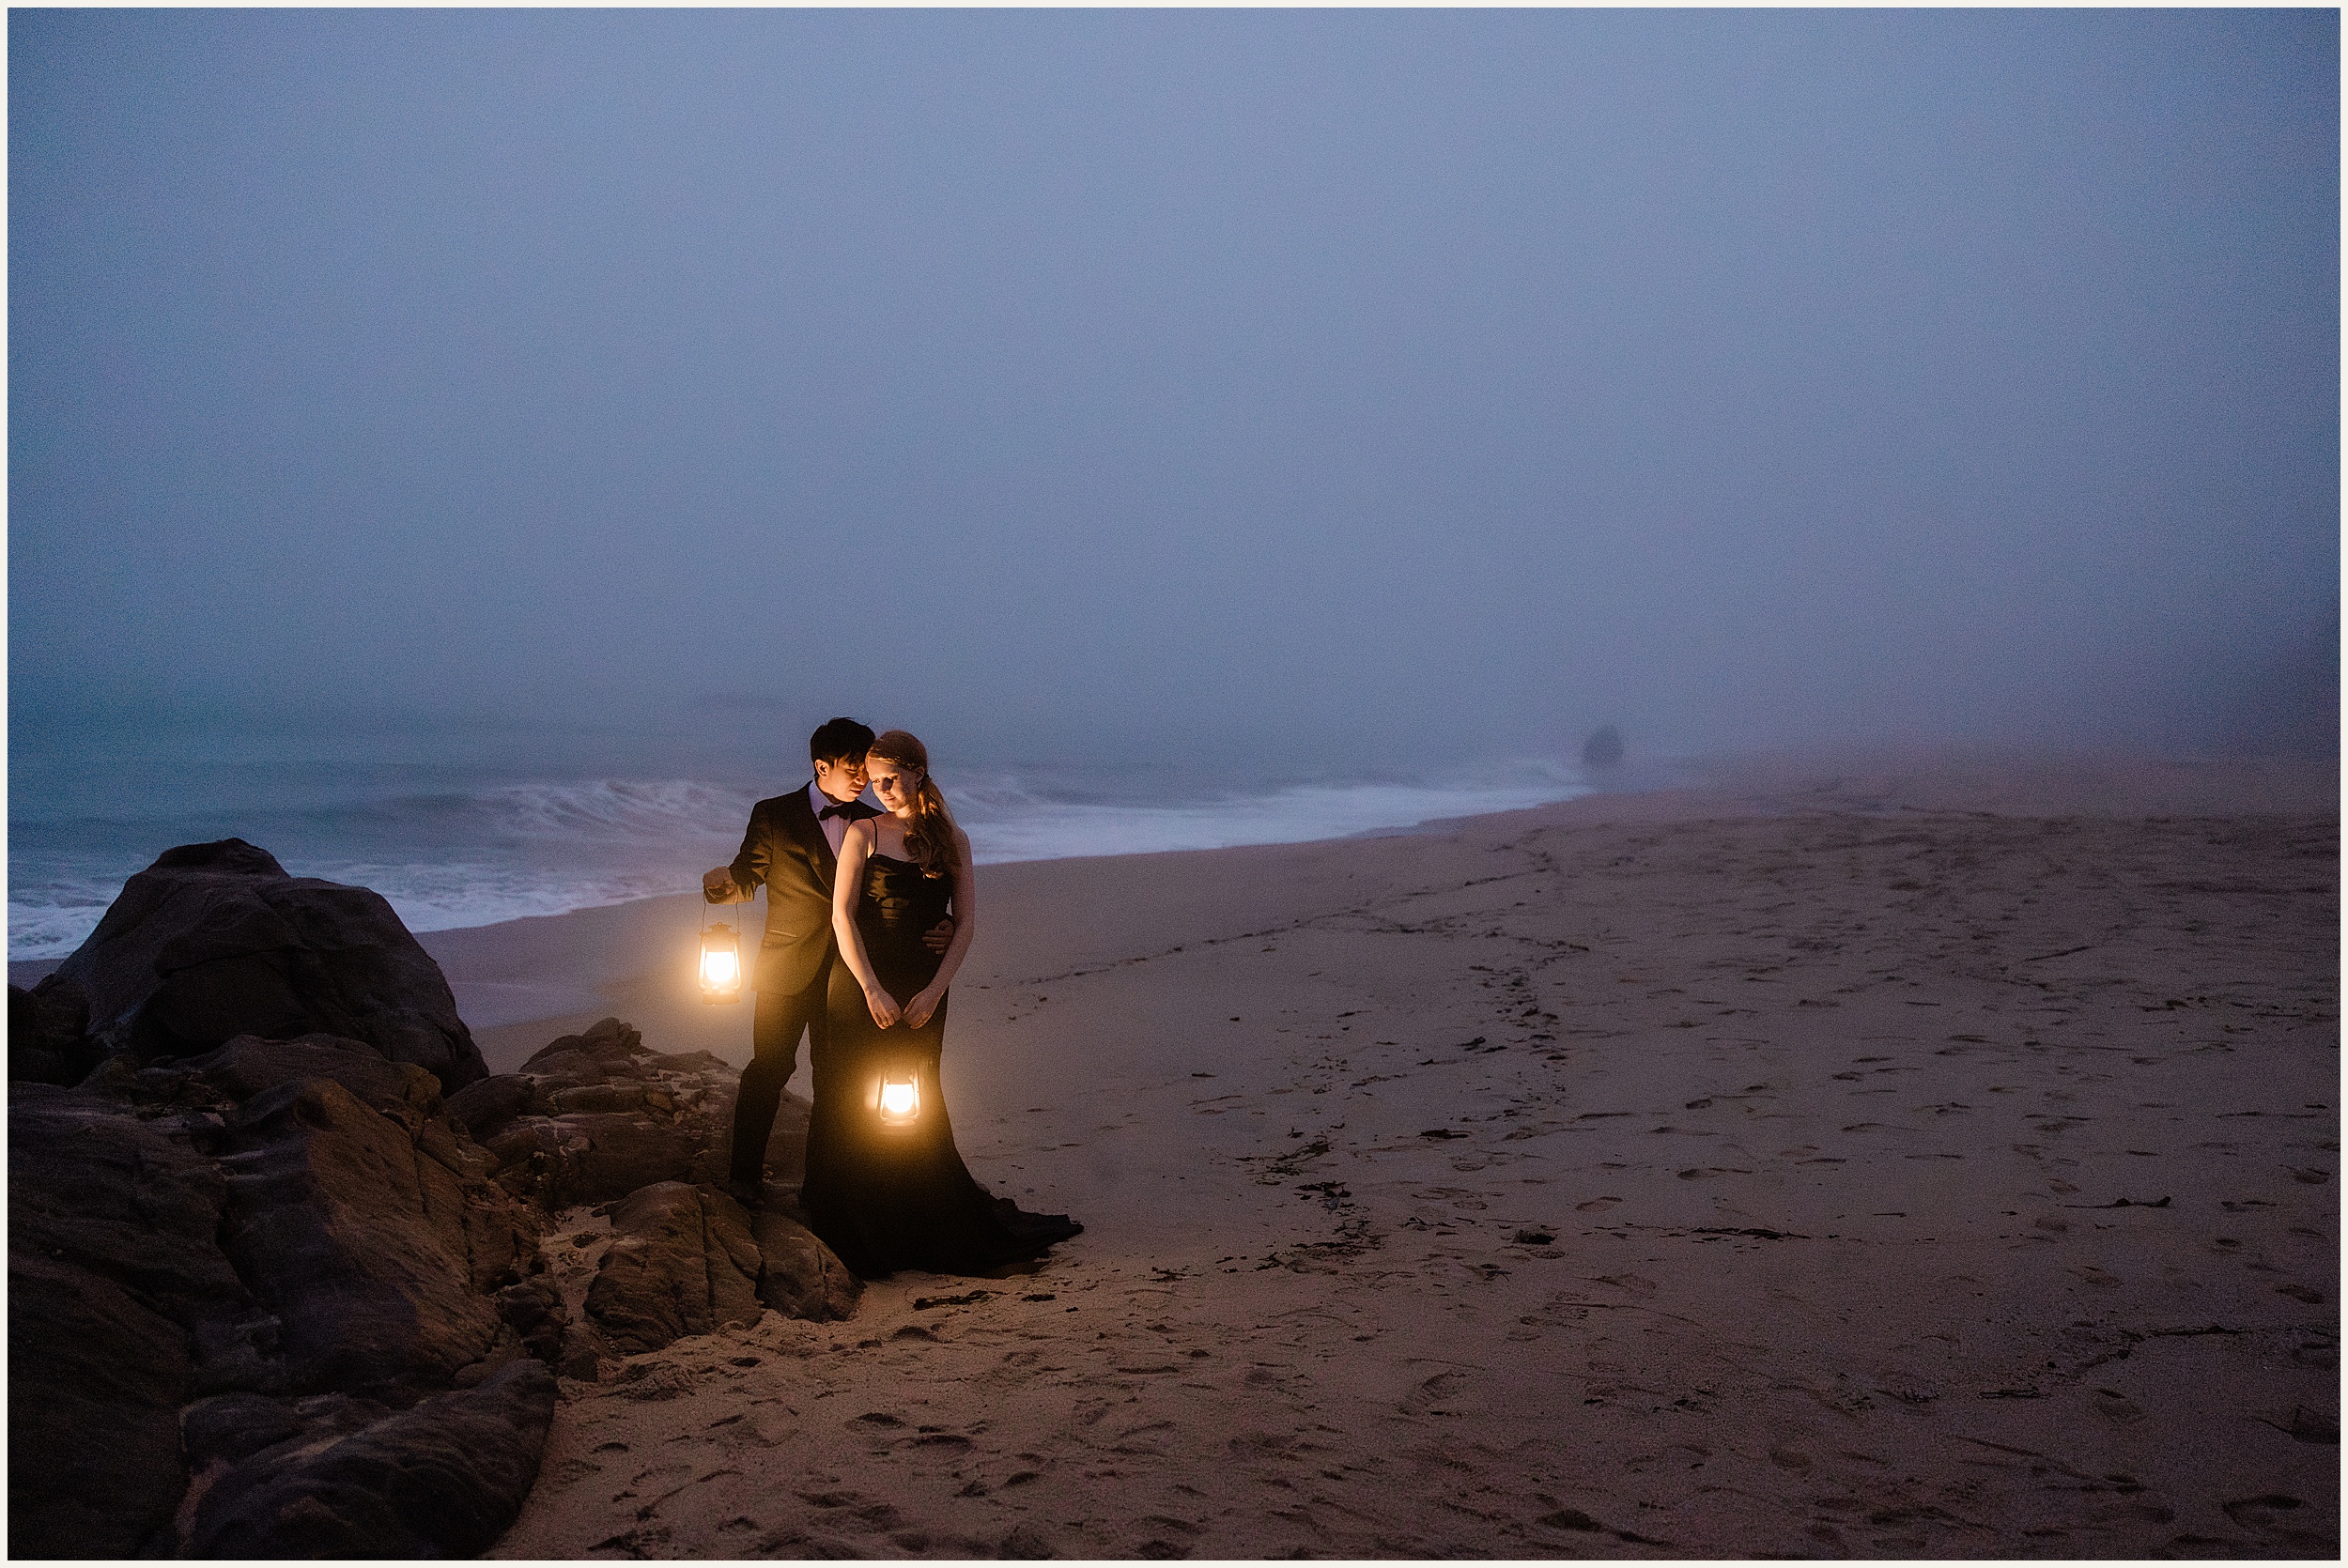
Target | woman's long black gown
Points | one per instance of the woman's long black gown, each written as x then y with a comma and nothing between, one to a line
895,1194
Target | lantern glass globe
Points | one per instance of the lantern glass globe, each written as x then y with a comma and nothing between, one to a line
720,965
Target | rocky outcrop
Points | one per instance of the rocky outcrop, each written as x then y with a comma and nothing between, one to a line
272,1294
688,1260
122,1306
95,1384
443,1478
380,1241
598,1118
800,1277
682,1261
213,941
247,1065
593,1118
282,1241
49,1033
541,1320
227,1268
136,1206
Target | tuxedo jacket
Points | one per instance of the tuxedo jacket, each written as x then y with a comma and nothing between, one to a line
785,852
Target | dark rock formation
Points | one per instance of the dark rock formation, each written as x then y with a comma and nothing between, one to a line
95,1384
591,1117
682,1262
136,1204
248,1064
535,1310
121,1307
687,1260
273,1295
379,1242
441,1479
1603,749
49,1033
215,940
196,1246
802,1278
485,1107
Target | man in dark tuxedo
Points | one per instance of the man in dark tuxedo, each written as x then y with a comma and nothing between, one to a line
792,848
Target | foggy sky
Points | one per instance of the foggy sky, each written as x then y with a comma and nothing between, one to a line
1295,384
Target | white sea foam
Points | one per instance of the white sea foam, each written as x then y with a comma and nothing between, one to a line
49,921
613,809
1003,829
509,850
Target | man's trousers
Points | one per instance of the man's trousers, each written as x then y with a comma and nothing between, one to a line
777,1021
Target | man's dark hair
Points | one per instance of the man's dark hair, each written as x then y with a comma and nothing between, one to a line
838,738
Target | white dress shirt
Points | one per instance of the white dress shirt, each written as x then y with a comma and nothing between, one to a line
835,828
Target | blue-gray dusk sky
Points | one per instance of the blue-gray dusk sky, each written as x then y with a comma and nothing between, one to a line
1179,384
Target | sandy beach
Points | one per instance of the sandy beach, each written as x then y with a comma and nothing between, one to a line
1926,1156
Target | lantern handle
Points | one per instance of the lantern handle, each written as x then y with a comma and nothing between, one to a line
701,918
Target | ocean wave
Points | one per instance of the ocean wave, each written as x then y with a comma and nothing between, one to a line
614,808
1006,824
507,851
444,898
599,812
49,921
444,860
597,808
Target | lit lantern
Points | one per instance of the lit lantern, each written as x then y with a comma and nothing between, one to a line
900,1098
721,964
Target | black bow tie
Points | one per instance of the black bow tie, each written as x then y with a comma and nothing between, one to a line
840,808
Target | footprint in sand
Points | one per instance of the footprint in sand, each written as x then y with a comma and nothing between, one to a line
1169,1542
1637,1284
1147,1440
854,1510
2117,1407
2271,1514
2308,1426
1439,1395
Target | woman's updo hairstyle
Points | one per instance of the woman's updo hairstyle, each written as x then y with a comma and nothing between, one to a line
929,836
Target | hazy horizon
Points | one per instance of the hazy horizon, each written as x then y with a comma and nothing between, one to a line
1287,389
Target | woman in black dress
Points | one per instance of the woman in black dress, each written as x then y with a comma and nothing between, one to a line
886,1188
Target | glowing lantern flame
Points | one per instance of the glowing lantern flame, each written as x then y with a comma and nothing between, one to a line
900,1100
721,965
